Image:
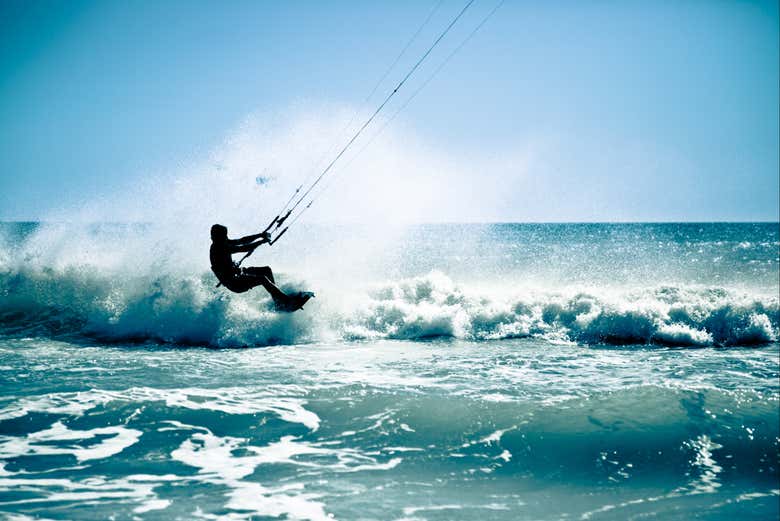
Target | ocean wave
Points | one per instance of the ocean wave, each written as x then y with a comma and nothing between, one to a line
187,309
607,436
680,316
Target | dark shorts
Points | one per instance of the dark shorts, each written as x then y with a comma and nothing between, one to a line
247,279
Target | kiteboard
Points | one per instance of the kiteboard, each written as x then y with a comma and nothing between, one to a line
292,302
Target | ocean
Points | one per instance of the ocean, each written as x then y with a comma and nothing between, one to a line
443,372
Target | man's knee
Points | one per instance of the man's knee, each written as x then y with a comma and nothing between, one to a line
263,271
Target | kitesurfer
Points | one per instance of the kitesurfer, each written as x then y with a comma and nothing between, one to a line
229,274
239,279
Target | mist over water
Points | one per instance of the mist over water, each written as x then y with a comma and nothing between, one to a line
133,265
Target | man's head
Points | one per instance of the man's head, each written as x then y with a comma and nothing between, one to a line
218,233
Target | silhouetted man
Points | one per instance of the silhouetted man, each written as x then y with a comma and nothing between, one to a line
229,274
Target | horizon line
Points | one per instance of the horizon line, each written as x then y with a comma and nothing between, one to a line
27,221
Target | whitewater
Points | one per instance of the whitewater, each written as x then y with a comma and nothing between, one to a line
664,284
444,371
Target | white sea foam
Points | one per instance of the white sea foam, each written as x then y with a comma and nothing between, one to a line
433,306
216,460
228,400
189,309
93,489
78,444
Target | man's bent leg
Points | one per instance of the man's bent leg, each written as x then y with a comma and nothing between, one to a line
264,271
256,278
270,287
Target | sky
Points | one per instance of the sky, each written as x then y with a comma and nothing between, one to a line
553,111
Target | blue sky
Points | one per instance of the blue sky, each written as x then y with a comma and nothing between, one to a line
637,110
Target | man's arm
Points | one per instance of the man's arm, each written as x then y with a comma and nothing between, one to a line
237,248
250,238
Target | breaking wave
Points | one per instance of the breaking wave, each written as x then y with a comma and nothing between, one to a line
434,306
83,303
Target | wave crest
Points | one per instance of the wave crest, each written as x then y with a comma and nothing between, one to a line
433,306
76,302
